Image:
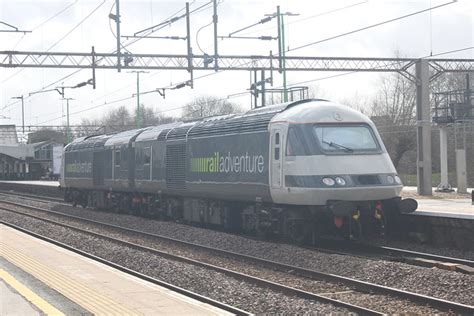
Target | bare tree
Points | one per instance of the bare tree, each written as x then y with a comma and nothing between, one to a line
120,119
393,111
89,127
46,135
205,106
149,117
357,102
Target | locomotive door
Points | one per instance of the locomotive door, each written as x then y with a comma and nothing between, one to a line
276,170
98,163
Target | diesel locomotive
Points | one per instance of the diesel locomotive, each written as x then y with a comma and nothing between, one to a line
298,170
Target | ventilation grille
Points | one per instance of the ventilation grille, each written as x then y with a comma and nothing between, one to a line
240,124
176,167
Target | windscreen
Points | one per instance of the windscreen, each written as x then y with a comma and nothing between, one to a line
346,138
317,139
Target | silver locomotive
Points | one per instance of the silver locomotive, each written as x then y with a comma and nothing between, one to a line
300,170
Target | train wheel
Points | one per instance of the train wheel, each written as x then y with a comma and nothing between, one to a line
296,231
84,201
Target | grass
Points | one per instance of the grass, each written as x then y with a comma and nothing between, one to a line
410,179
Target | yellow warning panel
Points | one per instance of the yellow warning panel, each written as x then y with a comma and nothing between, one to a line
28,294
77,292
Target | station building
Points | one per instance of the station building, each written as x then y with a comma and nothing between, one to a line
27,161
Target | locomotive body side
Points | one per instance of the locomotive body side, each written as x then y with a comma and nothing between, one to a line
120,161
227,159
150,159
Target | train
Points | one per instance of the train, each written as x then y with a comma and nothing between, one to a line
299,170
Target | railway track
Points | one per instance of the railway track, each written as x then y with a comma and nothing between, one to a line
387,253
294,270
33,197
337,247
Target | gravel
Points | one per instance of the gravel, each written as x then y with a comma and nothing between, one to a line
218,286
385,304
433,282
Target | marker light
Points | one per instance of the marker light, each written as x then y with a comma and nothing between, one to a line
340,181
398,180
390,179
329,182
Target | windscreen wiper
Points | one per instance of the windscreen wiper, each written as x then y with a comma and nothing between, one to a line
347,149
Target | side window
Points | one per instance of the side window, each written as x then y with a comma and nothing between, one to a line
299,142
146,155
117,158
277,146
294,146
290,141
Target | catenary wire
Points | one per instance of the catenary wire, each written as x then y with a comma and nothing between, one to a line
62,38
309,17
370,26
197,10
46,21
365,28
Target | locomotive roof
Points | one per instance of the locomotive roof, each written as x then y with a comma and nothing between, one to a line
124,137
152,133
317,111
87,142
250,121
254,120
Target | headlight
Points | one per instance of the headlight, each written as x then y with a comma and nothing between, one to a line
390,179
340,181
329,182
398,180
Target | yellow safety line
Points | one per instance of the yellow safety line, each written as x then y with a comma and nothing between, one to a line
40,303
65,286
77,292
84,296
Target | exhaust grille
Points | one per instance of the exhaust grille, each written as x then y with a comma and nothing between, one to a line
176,167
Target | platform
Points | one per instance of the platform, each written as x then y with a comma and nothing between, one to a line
453,208
446,205
37,182
41,278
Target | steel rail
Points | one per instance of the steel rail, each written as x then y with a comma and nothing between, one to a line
411,253
33,196
137,274
391,253
244,277
313,274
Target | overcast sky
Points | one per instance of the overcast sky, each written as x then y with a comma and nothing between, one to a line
444,29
